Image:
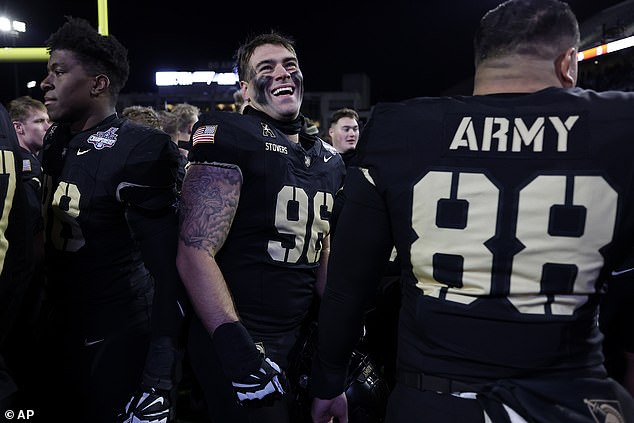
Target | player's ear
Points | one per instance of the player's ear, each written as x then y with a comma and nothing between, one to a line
100,84
244,87
566,68
19,128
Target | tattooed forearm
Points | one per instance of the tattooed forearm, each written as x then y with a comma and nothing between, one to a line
209,201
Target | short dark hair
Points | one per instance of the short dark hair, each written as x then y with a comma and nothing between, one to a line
540,28
341,113
245,51
98,54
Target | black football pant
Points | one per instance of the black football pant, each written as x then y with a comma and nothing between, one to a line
408,405
91,373
221,401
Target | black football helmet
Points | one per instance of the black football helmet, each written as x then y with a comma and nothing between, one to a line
366,390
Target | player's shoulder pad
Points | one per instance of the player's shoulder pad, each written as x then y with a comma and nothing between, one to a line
152,159
8,137
329,148
224,137
219,118
215,128
55,130
7,132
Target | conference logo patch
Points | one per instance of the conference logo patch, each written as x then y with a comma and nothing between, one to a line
103,139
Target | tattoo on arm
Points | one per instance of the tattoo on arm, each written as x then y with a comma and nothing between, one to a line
209,200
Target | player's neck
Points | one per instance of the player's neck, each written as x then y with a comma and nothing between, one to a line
91,120
516,76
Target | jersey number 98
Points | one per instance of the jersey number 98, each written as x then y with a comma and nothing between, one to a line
302,223
65,233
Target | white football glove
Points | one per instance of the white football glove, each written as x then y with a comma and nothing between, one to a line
148,405
261,387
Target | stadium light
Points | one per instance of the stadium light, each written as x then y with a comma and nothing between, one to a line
605,48
5,24
40,54
169,79
8,25
18,26
11,28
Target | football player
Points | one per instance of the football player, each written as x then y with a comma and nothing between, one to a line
253,245
109,196
16,256
30,122
507,209
344,131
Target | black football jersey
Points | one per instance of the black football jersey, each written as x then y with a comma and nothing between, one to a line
507,212
91,179
274,244
32,179
16,236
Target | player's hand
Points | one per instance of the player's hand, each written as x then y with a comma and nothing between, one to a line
148,405
323,411
262,386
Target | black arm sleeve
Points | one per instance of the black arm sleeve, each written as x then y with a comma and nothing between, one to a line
157,237
151,200
360,251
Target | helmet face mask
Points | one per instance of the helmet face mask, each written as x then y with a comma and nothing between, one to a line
366,389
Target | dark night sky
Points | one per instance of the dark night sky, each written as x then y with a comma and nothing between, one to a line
407,47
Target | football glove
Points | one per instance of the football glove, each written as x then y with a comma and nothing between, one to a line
148,405
261,387
256,380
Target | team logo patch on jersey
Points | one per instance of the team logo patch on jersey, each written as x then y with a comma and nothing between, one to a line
26,165
205,134
51,131
604,411
103,139
307,161
260,347
267,131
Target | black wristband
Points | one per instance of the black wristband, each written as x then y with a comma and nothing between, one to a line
237,351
